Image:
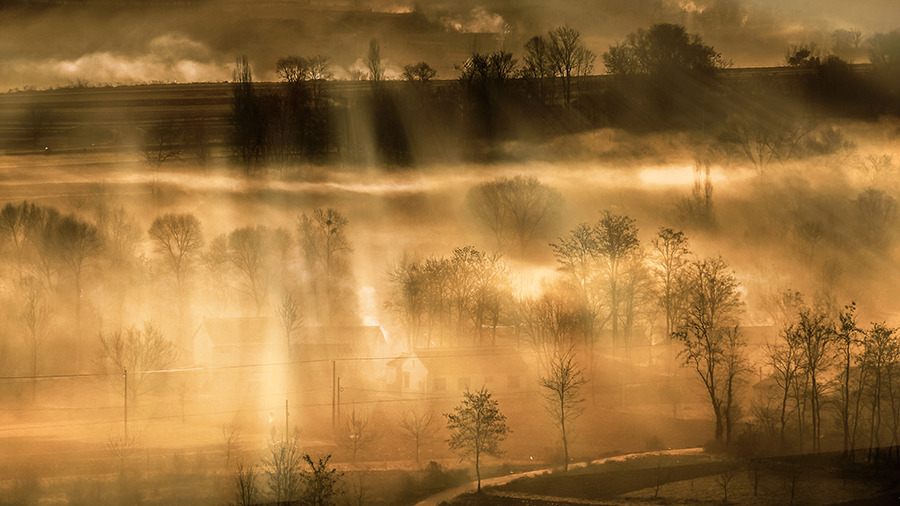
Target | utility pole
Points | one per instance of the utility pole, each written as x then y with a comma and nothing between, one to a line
333,392
125,375
339,397
286,415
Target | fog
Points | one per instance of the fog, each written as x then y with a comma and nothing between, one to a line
694,266
107,43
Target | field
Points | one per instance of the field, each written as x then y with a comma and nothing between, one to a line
701,480
81,151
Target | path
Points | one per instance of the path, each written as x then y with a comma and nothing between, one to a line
449,494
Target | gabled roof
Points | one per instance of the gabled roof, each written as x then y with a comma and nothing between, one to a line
337,335
478,361
241,331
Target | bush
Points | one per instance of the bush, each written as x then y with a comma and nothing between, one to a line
430,480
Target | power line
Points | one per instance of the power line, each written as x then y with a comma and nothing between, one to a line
246,366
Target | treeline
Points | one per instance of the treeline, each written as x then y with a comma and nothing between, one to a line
660,78
824,381
69,278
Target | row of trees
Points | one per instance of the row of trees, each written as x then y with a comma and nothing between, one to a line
829,372
666,73
65,268
299,122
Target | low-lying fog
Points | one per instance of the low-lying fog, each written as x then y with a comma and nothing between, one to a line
796,226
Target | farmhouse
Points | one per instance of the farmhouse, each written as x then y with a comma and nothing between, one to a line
453,370
249,358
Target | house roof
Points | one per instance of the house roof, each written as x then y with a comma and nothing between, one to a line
480,361
261,331
341,335
241,331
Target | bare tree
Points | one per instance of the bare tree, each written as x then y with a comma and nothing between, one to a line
477,427
724,481
282,468
478,290
357,490
319,72
245,480
178,239
292,69
326,251
550,322
19,224
290,316
569,58
35,317
418,426
815,335
710,315
419,73
231,442
616,241
373,61
517,211
577,257
44,261
163,140
75,244
880,357
769,134
537,66
358,433
848,341
122,446
563,384
255,255
697,209
670,251
406,300
876,168
142,351
784,358
878,213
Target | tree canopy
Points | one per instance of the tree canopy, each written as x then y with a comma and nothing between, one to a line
663,48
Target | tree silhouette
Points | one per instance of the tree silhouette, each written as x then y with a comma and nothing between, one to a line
326,251
418,427
669,258
373,62
517,211
178,239
282,467
708,332
577,258
142,351
477,427
248,118
562,386
663,49
255,253
537,69
616,241
568,58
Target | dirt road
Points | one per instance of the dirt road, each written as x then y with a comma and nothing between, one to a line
450,494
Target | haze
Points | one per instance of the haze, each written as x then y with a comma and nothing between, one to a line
280,253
